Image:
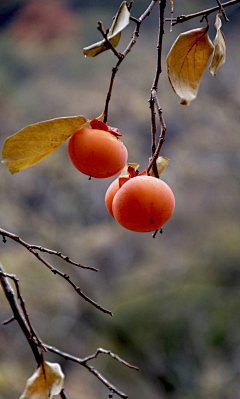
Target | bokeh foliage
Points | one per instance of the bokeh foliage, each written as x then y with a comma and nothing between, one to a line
175,298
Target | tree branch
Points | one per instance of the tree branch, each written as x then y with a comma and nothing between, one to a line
154,99
32,249
104,34
162,135
184,18
222,11
16,238
125,53
35,342
92,370
9,293
63,394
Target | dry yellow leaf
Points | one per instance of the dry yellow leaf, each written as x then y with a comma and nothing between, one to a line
45,382
161,163
121,20
35,142
187,61
219,55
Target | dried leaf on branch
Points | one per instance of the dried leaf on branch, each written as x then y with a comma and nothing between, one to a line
161,163
121,20
219,54
187,61
45,382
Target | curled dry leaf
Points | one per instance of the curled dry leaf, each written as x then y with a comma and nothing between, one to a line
219,54
35,142
186,63
124,171
121,20
45,382
162,163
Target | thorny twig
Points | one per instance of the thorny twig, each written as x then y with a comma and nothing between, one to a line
53,269
35,342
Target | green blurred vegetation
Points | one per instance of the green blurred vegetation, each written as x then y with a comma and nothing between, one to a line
175,298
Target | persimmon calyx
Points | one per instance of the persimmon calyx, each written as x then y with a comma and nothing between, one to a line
129,171
99,125
132,172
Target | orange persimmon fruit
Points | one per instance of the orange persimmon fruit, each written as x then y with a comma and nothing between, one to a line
142,203
97,151
110,194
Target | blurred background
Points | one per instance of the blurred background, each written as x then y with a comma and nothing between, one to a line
175,298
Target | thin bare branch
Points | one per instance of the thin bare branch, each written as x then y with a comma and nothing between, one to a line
163,131
154,99
184,18
154,131
130,5
35,342
113,355
16,238
9,293
54,270
222,11
104,34
64,257
162,6
8,321
63,394
124,54
92,370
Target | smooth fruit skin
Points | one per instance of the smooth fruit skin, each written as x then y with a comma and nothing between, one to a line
111,191
97,153
143,204
110,194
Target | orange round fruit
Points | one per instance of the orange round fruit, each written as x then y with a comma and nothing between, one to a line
97,153
110,194
143,204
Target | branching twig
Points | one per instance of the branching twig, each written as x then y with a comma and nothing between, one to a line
154,132
92,370
154,99
163,131
8,291
16,238
8,321
106,352
126,51
108,43
184,18
24,310
35,342
222,11
53,269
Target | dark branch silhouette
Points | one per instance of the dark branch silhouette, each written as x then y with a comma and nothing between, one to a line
184,18
20,314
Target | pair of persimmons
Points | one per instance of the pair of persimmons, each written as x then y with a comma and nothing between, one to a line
137,201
